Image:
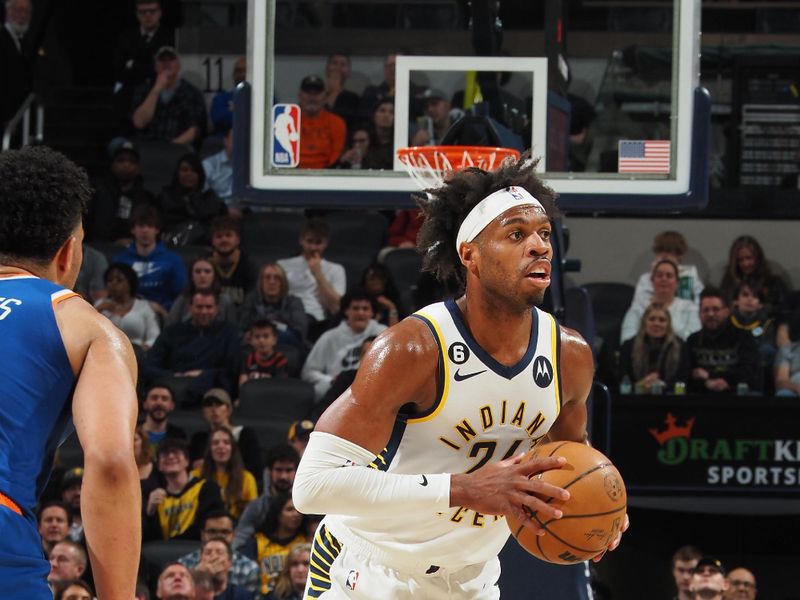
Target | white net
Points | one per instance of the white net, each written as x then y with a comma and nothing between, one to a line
429,165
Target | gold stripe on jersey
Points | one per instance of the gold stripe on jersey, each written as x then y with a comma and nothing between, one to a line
555,340
325,549
443,363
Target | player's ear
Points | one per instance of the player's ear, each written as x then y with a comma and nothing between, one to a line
65,256
467,252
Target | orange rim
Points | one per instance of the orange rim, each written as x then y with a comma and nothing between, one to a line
456,155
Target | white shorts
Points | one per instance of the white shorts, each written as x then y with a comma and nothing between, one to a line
339,572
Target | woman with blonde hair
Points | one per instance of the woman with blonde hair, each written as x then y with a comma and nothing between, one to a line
655,354
271,300
290,583
223,464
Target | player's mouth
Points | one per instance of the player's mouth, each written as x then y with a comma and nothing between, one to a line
539,273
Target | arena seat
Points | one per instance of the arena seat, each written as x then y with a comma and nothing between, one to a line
354,260
363,230
578,313
158,161
281,399
610,302
405,265
272,230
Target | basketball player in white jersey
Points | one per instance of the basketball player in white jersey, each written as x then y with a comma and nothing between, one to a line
432,430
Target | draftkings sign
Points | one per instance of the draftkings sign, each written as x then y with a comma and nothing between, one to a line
707,444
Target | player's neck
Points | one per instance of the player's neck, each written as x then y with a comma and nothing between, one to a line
7,270
496,328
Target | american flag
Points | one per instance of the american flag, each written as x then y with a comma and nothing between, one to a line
643,156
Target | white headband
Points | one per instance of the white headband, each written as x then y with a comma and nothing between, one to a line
491,207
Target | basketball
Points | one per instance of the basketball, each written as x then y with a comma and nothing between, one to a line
593,515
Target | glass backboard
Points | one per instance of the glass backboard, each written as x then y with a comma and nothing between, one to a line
608,104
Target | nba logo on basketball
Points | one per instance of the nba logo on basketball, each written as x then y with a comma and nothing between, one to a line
285,135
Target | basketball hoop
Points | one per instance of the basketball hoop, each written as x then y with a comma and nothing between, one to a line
428,165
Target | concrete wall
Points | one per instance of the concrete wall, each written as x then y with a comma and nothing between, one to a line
615,249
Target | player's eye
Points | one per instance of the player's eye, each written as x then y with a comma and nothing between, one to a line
516,235
545,234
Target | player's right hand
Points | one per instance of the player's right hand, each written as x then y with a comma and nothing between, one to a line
508,487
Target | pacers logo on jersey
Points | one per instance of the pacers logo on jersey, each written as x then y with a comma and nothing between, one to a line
542,371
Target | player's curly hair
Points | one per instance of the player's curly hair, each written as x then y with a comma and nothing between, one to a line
446,207
42,198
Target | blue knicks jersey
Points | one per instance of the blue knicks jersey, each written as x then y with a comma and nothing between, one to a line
36,385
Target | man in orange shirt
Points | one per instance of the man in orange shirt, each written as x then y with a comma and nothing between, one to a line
322,133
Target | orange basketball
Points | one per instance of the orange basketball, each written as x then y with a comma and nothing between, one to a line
593,515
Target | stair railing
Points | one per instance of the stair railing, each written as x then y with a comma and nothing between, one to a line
22,120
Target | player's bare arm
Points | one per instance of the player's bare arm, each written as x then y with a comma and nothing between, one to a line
104,410
400,368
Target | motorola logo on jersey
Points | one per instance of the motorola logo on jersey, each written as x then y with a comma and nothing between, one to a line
458,353
542,371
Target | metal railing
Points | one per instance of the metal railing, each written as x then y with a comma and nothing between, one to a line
22,118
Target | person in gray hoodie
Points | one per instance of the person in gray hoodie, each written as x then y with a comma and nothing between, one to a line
339,349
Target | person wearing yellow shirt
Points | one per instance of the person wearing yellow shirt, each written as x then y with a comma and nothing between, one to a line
222,463
283,528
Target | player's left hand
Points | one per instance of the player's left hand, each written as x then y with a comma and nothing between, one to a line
613,545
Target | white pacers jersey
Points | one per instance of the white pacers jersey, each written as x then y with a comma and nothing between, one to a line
484,412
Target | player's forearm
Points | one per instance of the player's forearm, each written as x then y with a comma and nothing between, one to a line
334,478
111,510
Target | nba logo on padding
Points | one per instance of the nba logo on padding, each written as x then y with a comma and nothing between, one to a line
285,135
542,371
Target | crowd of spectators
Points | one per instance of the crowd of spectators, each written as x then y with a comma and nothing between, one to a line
680,334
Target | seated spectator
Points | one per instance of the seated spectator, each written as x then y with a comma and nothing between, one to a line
787,362
282,529
742,584
90,282
264,361
299,434
222,463
353,156
145,461
202,275
135,50
338,100
340,384
684,560
291,581
750,314
245,572
380,153
271,300
437,114
186,206
404,228
178,510
73,589
204,348
71,485
203,585
670,245
340,348
378,282
67,562
16,58
372,94
655,354
162,274
116,195
322,133
217,410
219,174
175,583
216,558
708,580
746,259
237,275
317,282
683,313
54,520
169,107
158,403
221,111
720,356
134,316
282,461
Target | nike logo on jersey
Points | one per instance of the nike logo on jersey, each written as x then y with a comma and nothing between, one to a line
459,377
424,481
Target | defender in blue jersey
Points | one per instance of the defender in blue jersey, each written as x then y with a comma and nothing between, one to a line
63,363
